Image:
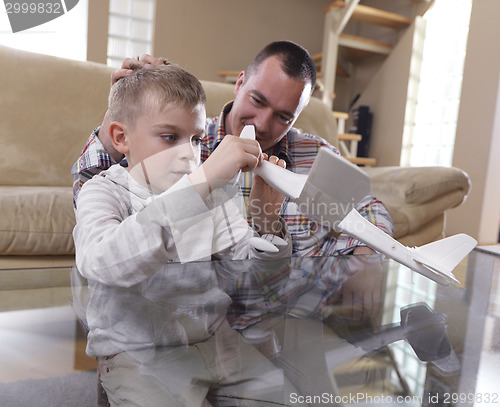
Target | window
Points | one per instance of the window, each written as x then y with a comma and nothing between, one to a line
130,31
433,110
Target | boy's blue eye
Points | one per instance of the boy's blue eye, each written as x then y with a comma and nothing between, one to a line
168,137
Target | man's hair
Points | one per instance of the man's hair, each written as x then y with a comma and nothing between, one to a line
153,86
295,61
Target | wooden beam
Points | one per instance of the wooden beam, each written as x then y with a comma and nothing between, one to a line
340,115
372,15
362,161
317,57
349,137
365,44
345,15
379,17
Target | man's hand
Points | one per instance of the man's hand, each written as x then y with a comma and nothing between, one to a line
131,64
265,203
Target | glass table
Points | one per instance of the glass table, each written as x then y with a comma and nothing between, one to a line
348,330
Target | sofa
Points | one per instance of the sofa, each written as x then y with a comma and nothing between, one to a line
48,108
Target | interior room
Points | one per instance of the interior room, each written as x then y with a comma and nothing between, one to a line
408,91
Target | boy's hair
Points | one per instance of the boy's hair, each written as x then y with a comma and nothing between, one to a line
153,86
295,61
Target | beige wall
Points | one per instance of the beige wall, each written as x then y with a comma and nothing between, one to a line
97,33
206,36
477,145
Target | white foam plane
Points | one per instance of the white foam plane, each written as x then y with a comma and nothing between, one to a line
329,195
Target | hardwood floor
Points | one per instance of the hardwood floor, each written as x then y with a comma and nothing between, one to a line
40,343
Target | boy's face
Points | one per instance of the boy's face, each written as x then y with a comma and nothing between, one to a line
165,145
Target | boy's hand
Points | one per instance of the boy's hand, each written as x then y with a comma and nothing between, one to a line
232,155
130,64
265,203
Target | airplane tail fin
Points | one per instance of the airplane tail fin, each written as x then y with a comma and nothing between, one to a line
444,255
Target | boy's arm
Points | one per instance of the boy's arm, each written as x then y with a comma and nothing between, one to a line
115,245
232,234
235,239
112,247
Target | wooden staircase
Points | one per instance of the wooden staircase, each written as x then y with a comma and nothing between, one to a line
354,49
348,142
337,15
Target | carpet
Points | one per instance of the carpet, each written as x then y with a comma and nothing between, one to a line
73,390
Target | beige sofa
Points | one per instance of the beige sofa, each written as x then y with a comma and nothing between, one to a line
48,108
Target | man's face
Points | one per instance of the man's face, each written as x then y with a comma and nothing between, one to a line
270,100
165,145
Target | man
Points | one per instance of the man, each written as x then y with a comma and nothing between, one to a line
270,95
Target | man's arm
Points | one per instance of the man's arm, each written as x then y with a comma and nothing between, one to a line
311,239
265,203
376,213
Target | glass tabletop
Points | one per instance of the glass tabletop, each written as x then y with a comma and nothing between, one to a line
346,330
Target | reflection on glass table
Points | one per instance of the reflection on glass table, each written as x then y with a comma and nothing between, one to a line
302,331
308,318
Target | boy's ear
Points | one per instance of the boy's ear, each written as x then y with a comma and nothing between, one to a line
117,135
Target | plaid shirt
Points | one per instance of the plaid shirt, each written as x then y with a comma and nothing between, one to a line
93,159
299,151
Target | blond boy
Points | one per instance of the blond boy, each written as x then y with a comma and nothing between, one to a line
138,228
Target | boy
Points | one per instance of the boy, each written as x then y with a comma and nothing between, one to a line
135,224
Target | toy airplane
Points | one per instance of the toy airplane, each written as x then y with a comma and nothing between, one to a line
420,326
329,195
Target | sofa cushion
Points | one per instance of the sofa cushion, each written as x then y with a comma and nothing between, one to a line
408,219
36,220
415,185
429,232
49,108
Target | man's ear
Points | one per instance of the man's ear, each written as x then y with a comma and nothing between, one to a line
117,135
239,82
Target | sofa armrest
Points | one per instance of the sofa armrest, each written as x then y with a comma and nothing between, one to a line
416,196
417,185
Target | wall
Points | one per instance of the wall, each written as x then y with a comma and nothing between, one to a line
97,33
477,144
207,36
